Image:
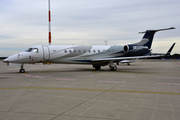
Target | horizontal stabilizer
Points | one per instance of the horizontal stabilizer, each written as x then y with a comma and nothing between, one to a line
159,30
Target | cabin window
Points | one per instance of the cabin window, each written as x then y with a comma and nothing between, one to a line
65,51
98,51
35,50
74,51
70,51
28,50
79,51
89,51
94,51
84,51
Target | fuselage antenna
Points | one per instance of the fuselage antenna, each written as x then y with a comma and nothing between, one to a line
49,23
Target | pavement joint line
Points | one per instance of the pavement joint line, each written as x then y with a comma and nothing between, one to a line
81,104
81,89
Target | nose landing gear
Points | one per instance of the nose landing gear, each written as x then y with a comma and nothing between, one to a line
22,70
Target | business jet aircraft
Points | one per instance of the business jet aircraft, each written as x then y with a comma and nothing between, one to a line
97,56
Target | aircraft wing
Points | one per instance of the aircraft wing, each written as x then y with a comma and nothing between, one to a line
123,58
134,57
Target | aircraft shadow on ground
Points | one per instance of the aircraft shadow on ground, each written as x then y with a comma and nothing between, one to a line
121,69
83,70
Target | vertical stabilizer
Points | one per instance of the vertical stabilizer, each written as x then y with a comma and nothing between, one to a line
148,37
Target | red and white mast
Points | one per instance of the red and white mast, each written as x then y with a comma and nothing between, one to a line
49,24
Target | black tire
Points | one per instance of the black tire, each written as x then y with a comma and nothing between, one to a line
97,67
113,68
22,71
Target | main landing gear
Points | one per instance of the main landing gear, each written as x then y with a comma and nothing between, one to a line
22,70
112,66
97,67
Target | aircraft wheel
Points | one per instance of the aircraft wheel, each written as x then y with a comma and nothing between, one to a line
22,71
97,67
113,68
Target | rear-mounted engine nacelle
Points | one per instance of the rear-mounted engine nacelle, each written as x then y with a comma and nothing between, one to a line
126,48
135,48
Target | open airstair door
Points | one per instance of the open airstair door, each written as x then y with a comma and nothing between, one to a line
46,53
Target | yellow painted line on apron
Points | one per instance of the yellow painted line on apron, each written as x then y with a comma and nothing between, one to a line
80,89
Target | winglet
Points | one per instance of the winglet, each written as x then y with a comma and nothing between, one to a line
169,51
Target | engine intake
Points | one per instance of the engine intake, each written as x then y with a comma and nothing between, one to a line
126,48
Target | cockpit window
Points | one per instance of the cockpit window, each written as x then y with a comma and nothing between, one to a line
35,50
28,50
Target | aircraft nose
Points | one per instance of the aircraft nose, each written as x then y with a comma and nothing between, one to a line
6,60
10,59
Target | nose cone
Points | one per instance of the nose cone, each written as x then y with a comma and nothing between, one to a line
11,59
6,60
22,57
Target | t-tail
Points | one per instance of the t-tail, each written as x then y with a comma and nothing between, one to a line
144,46
148,37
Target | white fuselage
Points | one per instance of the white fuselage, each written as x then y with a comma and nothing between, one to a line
65,54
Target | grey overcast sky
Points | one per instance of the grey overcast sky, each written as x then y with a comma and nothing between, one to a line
24,23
